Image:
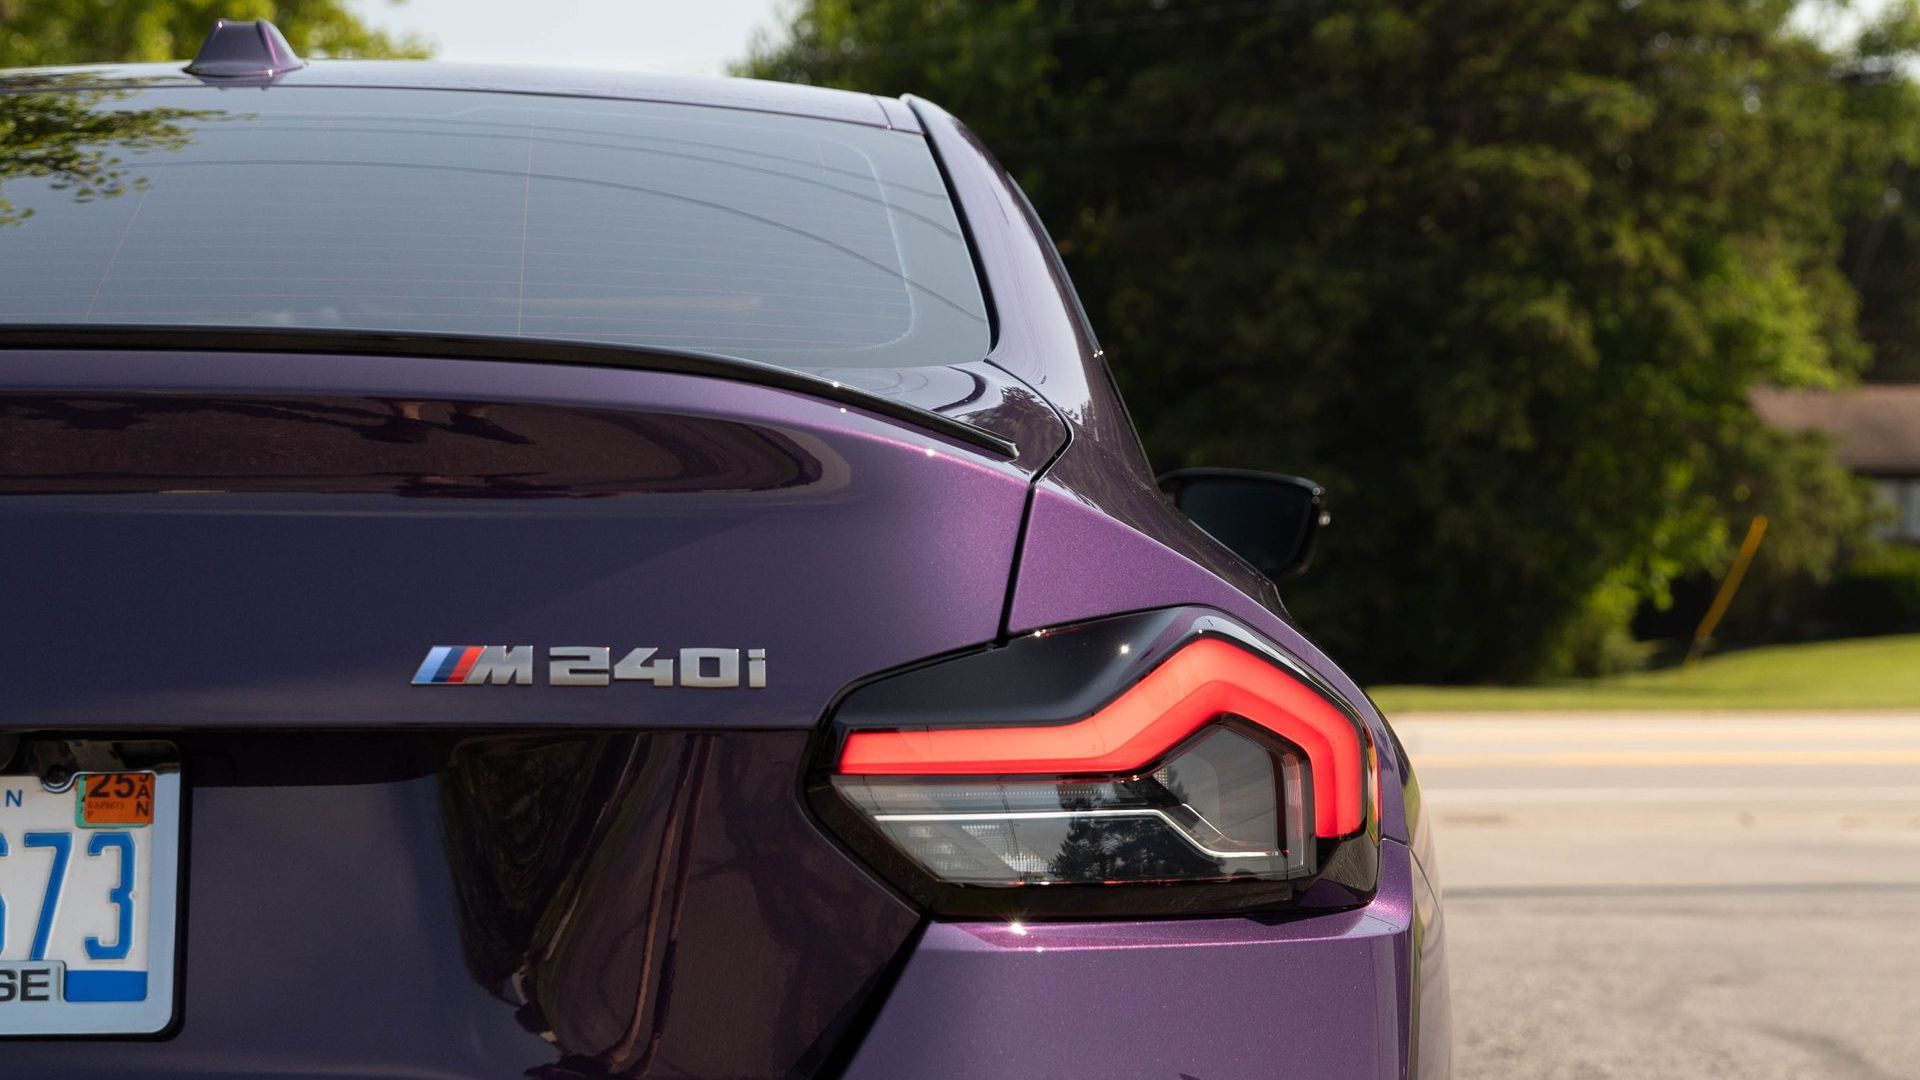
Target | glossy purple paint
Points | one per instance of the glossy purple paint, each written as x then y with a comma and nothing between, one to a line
293,609
313,610
350,916
1432,1007
1100,538
1211,999
1066,535
1039,339
980,394
244,50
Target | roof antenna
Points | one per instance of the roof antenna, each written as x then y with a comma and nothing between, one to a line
255,49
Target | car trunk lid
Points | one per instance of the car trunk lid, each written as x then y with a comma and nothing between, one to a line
254,557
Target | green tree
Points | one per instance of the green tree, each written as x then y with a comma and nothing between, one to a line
39,33
1501,273
1881,195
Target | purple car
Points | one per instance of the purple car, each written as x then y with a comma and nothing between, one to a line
514,573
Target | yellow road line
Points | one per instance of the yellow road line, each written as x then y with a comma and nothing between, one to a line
1662,758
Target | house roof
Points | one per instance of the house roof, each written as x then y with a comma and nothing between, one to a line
1877,427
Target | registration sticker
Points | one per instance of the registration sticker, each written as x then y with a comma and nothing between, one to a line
89,889
119,800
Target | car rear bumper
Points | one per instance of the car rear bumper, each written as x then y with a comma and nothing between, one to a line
462,907
1328,997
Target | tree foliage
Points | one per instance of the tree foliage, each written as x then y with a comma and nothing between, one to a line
1882,195
64,137
41,33
1501,273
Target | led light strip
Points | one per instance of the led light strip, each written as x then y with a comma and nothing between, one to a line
1204,680
1042,815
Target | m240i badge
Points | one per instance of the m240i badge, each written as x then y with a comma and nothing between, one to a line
590,665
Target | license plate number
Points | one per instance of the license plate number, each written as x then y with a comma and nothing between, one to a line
88,890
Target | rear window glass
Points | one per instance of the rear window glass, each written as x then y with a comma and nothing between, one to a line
802,242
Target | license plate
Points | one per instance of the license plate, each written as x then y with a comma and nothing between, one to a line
89,885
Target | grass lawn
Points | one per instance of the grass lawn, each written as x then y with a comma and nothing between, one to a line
1862,673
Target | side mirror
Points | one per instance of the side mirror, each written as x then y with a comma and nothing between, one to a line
1268,519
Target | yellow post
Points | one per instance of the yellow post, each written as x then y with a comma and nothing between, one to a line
1724,597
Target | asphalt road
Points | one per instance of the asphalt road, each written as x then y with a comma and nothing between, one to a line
1653,896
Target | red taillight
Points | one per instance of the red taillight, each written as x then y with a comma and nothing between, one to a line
1169,748
1206,680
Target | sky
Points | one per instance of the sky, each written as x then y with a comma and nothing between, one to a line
694,37
690,37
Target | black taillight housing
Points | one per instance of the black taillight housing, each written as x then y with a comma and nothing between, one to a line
1164,763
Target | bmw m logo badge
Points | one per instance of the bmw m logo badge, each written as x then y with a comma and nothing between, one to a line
591,665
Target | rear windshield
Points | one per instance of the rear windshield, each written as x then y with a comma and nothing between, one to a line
802,242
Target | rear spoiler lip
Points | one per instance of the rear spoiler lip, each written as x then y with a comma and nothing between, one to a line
195,338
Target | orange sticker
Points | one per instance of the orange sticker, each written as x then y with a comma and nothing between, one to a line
124,798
